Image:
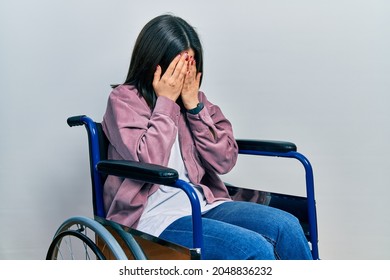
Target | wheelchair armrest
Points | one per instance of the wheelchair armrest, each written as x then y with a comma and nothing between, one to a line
271,146
139,171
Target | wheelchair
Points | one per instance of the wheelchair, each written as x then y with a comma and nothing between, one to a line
98,238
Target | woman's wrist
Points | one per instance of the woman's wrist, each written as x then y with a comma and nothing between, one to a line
190,104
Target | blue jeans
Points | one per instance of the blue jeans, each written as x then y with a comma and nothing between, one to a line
244,231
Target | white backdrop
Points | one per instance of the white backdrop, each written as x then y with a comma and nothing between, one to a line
312,72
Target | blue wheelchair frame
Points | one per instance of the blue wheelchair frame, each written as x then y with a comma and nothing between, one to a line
160,175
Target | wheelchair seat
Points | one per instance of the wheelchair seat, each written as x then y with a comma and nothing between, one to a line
111,238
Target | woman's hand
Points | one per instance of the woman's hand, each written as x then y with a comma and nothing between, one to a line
170,84
189,93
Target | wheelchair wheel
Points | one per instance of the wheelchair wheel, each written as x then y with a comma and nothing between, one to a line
76,239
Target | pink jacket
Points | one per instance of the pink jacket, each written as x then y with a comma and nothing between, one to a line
137,133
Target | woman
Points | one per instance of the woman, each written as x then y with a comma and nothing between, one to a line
159,116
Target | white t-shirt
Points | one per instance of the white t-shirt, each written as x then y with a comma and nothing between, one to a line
168,204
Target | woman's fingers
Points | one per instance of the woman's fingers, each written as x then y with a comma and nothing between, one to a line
176,70
170,83
192,76
191,85
175,78
172,66
180,78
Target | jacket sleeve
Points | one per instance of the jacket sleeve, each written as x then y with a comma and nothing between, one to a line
136,132
213,136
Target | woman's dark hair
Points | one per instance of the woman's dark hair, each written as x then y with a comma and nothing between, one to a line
158,43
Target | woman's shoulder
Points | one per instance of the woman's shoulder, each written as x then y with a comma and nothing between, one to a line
124,91
129,96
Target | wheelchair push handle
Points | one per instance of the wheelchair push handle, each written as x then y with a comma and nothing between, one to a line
76,120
